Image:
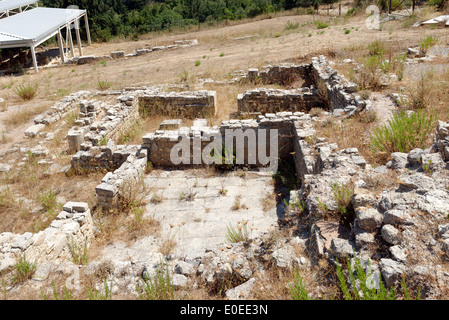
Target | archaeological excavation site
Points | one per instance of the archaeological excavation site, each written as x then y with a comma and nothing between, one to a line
280,178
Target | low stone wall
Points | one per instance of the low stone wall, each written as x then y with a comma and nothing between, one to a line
138,52
442,139
94,133
323,87
62,108
285,74
72,228
269,100
189,104
109,157
118,183
292,128
339,92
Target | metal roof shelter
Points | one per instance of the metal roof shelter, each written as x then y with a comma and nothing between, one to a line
32,27
15,6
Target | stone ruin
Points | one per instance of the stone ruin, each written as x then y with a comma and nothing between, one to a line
323,88
382,220
92,140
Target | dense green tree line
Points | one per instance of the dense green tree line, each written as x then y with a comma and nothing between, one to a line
109,18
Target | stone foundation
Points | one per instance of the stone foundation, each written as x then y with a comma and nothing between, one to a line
72,229
276,100
122,180
62,108
323,87
191,105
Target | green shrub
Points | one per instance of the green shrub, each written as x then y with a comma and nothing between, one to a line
26,92
376,47
343,195
427,43
48,201
363,281
298,289
291,25
362,284
321,25
403,133
197,63
97,295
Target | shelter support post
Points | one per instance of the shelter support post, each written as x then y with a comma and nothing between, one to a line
78,38
69,35
87,29
33,55
61,48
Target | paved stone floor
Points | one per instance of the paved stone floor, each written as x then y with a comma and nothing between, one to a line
195,210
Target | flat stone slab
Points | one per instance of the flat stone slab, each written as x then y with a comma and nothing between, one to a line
170,124
196,211
34,130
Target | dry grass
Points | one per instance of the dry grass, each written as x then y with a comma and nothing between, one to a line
349,133
23,115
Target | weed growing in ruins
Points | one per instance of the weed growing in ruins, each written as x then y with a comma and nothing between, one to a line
157,198
26,92
427,168
404,132
223,191
157,287
297,288
189,196
23,270
322,207
66,294
95,294
420,94
238,204
427,43
7,199
184,76
197,63
363,284
238,233
48,201
343,195
79,255
103,141
376,47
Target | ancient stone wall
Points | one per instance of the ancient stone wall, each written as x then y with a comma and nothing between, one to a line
62,108
323,87
122,180
276,100
193,104
285,74
72,229
117,118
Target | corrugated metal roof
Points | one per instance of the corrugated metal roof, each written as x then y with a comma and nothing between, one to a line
34,26
13,4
